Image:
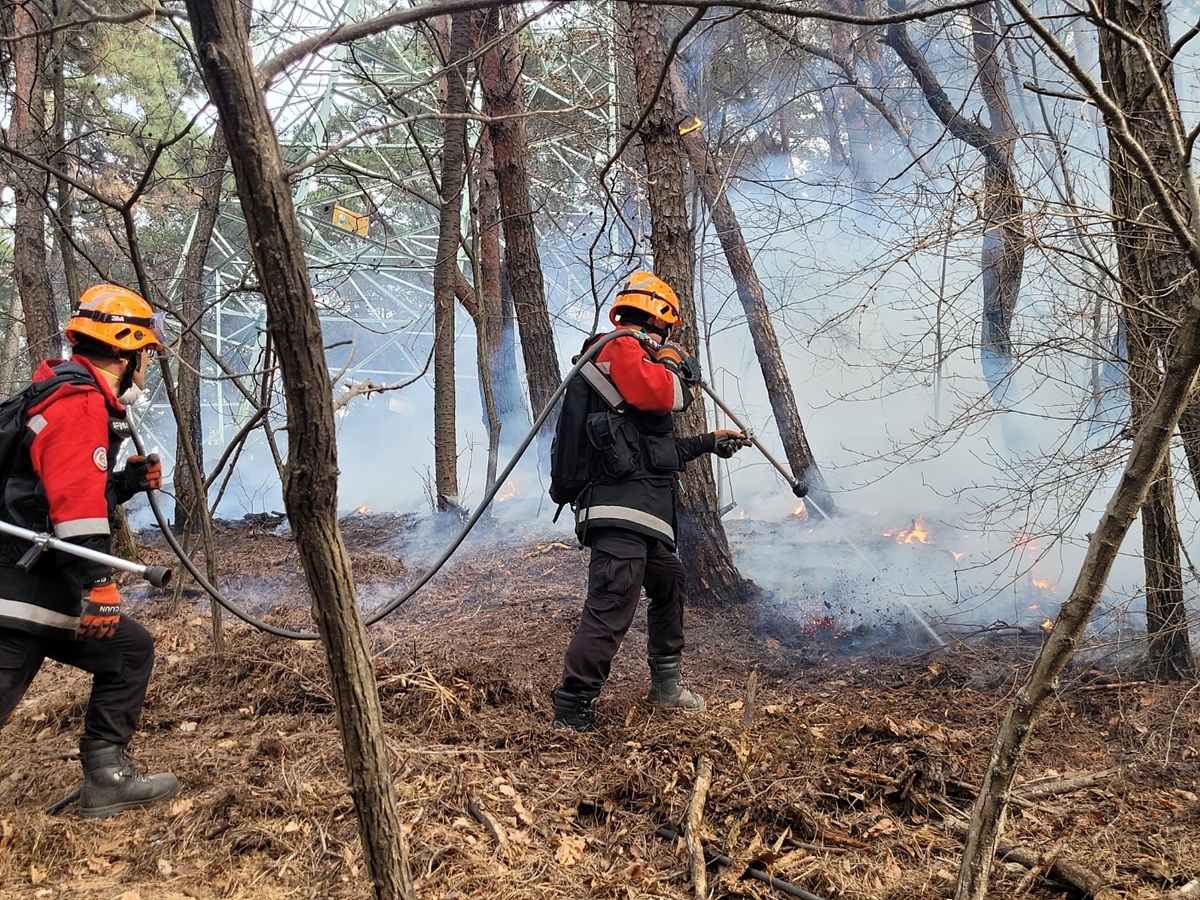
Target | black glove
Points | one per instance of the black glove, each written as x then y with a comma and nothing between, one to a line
689,371
142,473
675,358
729,442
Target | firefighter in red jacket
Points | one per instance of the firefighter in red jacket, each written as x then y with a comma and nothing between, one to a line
627,513
64,607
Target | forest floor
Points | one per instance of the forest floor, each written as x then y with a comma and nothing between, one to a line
843,764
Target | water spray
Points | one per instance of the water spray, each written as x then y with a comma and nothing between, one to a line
800,488
798,485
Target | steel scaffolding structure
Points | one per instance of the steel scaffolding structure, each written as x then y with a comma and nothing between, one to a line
360,130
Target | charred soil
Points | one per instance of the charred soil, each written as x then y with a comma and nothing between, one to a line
839,766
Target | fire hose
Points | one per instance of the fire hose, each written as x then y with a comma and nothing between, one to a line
798,485
392,605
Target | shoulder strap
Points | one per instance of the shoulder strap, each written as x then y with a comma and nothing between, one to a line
600,383
603,386
67,373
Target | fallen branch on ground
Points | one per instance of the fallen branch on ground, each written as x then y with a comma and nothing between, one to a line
695,812
1064,871
1066,785
757,874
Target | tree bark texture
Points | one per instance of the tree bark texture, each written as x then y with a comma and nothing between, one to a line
507,392
758,319
445,267
504,99
1157,282
10,347
27,133
703,545
64,196
310,476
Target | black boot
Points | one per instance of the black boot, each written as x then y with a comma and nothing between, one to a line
577,711
666,685
111,783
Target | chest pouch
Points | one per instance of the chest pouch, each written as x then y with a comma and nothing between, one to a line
662,453
616,443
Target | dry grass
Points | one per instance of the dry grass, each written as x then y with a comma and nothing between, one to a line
841,783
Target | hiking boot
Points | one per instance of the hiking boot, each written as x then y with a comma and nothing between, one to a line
666,685
111,783
575,711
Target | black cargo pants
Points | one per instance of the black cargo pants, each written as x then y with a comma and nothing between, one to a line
622,563
120,668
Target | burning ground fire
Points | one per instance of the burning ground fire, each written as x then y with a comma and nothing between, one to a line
918,534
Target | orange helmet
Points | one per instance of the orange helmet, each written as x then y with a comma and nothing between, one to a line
116,316
647,292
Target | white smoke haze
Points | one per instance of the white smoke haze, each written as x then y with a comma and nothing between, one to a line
980,533
946,505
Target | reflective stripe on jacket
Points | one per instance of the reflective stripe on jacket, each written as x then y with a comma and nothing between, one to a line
643,500
61,484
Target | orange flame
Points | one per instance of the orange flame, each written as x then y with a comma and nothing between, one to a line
1044,584
956,554
694,125
508,494
742,514
363,511
918,534
801,512
1047,625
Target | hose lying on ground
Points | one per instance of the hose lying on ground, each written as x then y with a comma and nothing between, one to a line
392,605
757,874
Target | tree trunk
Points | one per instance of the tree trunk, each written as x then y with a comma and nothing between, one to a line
27,133
1002,259
190,498
445,267
1139,120
750,292
1157,282
504,99
310,476
703,545
507,393
64,198
10,348
1145,464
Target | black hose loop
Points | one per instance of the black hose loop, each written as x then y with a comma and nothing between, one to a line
392,605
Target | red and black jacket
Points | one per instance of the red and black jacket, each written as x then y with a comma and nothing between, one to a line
636,489
62,483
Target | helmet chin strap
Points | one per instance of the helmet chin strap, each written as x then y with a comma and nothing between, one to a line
131,364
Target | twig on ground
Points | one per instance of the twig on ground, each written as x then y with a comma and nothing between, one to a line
751,694
695,812
1108,686
1066,785
494,828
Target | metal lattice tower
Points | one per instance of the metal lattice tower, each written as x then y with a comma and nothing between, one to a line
364,205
